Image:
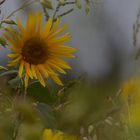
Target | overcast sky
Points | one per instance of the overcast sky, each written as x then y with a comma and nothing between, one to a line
101,36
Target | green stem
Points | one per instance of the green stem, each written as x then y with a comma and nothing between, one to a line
55,12
25,4
17,124
69,11
25,93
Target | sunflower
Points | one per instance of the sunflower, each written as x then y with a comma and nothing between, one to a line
38,51
49,135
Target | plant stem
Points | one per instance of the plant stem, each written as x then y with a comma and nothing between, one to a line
17,124
25,93
69,11
25,4
55,12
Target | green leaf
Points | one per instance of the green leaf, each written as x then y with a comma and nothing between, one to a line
3,68
47,4
14,82
46,115
41,94
3,42
9,72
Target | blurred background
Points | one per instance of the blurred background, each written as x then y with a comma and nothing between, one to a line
105,54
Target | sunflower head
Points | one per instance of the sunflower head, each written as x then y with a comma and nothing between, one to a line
39,51
35,51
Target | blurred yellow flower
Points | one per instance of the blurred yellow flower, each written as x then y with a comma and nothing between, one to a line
131,97
49,135
39,50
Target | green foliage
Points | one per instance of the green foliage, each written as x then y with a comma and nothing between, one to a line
9,72
14,83
7,21
3,68
41,94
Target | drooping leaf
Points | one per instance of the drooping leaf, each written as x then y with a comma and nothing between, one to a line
41,94
9,72
14,82
7,21
3,68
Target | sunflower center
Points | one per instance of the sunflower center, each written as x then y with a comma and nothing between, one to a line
35,51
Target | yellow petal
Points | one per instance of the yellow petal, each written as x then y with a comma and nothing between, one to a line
71,137
60,63
57,68
10,39
16,60
49,70
59,40
15,49
58,31
65,55
21,28
13,55
58,136
39,21
33,71
56,80
12,32
26,79
12,64
39,76
63,49
31,25
47,28
15,37
48,134
28,70
43,70
67,49
21,69
55,25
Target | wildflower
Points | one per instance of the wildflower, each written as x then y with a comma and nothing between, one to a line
37,50
131,97
49,135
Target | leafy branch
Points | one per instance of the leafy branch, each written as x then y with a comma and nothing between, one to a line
59,5
24,5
